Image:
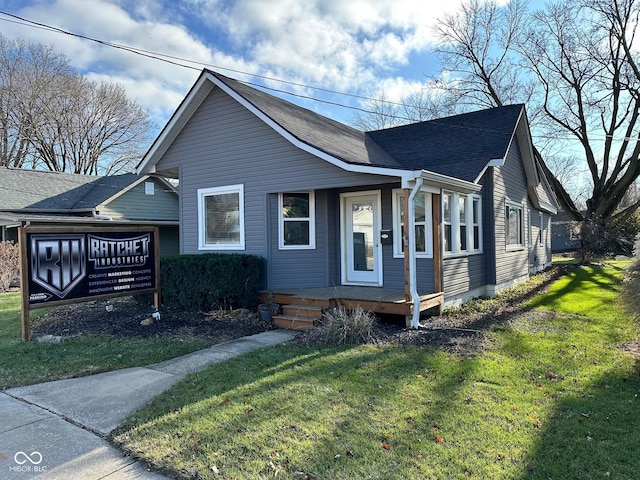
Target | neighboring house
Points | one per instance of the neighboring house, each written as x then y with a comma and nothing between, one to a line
44,197
565,235
324,203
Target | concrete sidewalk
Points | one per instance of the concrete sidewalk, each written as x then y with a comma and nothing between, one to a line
56,430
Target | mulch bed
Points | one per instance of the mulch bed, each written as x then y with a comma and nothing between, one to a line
127,318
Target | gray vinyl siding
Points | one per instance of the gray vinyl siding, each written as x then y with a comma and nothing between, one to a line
134,204
510,184
463,274
298,268
224,144
539,252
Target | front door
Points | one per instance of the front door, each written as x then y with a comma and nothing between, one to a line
361,249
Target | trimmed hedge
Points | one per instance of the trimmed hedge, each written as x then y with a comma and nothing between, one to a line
211,281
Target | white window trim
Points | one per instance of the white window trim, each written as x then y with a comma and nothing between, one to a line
523,239
455,225
311,219
470,224
398,244
202,233
542,234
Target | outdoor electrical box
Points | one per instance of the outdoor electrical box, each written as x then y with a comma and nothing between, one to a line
386,237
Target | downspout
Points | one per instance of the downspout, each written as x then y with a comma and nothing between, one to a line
411,234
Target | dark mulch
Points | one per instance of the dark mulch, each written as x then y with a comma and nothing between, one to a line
128,316
462,331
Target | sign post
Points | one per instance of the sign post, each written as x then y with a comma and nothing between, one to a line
62,265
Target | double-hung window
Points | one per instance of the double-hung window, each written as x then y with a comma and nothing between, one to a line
221,218
514,225
476,218
447,219
461,223
297,220
422,221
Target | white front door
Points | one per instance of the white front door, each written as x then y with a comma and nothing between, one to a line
361,249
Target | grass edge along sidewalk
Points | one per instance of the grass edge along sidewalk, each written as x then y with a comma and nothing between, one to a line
27,363
553,396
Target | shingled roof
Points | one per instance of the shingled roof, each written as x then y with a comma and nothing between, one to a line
459,147
45,191
329,136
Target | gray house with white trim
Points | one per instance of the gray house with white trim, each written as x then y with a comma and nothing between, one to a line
326,205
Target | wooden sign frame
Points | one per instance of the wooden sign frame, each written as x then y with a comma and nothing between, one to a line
118,252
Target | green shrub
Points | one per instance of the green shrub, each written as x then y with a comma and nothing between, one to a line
211,281
340,326
631,290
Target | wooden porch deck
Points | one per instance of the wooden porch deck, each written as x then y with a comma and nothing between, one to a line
299,302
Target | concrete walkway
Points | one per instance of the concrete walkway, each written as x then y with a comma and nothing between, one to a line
57,430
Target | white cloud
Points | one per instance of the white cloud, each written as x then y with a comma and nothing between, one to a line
337,44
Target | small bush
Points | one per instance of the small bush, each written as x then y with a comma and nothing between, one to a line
631,290
9,264
340,326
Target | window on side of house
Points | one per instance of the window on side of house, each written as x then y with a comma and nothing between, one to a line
447,218
514,225
476,223
297,220
543,230
462,223
221,218
462,215
422,220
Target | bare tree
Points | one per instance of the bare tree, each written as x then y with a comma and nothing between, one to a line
575,65
476,46
25,70
582,56
379,113
89,128
431,101
51,117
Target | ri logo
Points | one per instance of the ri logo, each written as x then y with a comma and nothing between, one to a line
58,261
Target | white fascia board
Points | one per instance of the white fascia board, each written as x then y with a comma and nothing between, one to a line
548,208
448,183
496,162
123,191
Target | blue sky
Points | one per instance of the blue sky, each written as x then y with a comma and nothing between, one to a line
352,46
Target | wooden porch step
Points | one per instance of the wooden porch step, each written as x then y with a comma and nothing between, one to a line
298,317
302,311
291,322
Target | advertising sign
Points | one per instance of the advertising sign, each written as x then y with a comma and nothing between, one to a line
63,267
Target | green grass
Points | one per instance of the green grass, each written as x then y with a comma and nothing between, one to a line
28,363
554,396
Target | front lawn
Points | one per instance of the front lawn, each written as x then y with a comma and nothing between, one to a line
28,363
553,395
